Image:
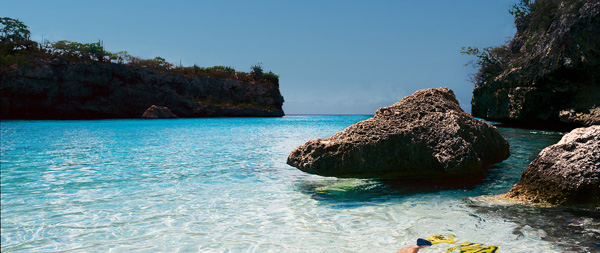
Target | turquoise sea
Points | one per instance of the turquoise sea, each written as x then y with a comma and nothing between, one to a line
222,185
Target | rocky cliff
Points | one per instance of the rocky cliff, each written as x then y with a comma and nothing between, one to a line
60,89
552,75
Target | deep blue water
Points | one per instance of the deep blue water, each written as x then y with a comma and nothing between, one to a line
218,185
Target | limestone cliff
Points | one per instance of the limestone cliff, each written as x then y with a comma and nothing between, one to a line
552,75
60,89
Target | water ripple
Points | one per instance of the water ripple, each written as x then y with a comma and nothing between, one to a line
222,185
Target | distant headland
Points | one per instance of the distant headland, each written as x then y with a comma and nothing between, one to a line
72,80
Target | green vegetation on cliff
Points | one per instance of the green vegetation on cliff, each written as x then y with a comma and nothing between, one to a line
531,19
17,48
72,80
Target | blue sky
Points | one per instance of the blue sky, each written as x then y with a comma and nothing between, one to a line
333,57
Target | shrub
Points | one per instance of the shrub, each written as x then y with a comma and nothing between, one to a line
17,48
257,70
83,51
271,78
120,57
490,62
158,63
520,9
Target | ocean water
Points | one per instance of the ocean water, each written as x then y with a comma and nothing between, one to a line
222,185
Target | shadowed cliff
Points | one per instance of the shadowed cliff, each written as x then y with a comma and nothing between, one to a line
548,76
59,89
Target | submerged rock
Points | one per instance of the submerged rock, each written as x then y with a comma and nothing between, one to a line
158,112
566,173
426,134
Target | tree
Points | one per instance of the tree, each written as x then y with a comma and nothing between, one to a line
520,9
490,62
13,30
91,51
120,57
257,70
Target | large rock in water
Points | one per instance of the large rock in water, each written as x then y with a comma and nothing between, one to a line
426,134
551,78
566,173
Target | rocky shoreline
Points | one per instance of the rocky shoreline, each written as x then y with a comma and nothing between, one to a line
549,78
59,89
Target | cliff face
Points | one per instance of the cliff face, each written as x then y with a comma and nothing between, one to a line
553,79
58,89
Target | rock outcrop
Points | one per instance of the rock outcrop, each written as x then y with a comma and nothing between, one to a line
158,112
552,73
59,89
426,135
566,173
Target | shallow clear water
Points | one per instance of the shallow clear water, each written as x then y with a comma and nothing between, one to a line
222,184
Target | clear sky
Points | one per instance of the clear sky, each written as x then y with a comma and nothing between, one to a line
333,57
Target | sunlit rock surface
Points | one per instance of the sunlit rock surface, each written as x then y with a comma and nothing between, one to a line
424,135
566,173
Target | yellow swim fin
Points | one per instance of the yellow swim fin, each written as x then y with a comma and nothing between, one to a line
469,247
465,247
443,238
